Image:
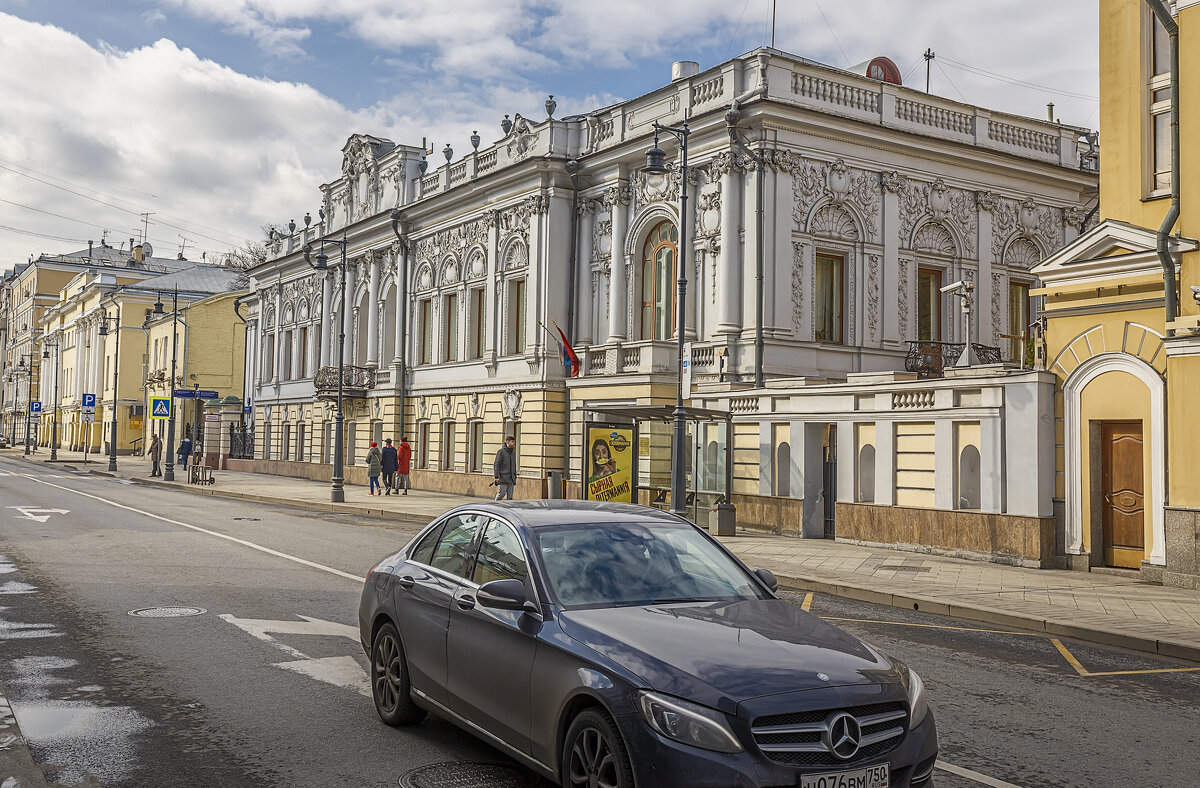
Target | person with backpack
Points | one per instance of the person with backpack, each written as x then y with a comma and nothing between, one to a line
391,461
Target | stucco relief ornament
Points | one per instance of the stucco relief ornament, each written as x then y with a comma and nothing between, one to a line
1074,216
450,272
708,212
512,403
522,138
425,278
903,298
1028,217
602,240
808,186
837,182
421,406
939,200
620,194
893,181
657,188
872,294
832,221
447,405
474,403
478,265
997,280
987,201
797,285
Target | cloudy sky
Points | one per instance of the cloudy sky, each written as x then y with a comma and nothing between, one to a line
218,116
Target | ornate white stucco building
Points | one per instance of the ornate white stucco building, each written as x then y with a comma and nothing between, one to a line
874,196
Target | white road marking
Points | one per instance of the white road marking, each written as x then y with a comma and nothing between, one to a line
339,671
31,512
970,774
226,537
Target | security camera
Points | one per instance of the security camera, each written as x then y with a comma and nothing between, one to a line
959,285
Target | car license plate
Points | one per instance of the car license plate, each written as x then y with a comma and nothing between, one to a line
870,777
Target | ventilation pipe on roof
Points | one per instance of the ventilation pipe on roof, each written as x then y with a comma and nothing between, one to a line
1164,231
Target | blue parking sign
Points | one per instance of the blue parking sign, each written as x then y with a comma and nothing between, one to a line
160,407
35,407
89,400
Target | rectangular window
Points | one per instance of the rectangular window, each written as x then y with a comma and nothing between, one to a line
299,443
287,356
475,438
286,448
268,370
422,445
303,360
449,446
516,317
929,304
451,306
1158,100
477,304
829,298
1018,318
425,315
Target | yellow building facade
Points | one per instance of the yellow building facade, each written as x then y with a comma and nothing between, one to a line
1128,450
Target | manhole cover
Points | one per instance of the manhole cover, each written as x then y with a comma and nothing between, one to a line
167,612
464,774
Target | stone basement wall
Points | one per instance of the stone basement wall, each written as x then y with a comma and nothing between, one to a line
1001,538
1182,527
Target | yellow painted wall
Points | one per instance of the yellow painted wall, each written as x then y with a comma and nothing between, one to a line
1114,396
914,463
1183,385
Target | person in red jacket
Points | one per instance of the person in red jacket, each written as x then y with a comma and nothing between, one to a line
403,464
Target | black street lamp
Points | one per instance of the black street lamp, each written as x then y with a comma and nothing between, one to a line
337,492
169,473
112,442
656,165
27,372
57,367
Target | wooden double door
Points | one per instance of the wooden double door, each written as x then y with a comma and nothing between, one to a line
1123,499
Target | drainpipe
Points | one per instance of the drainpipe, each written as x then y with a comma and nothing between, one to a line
401,315
1164,232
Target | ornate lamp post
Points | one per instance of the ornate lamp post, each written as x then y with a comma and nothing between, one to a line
169,473
337,493
656,165
112,442
46,345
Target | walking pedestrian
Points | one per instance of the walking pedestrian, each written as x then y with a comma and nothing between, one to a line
391,461
374,466
185,451
403,465
155,453
505,469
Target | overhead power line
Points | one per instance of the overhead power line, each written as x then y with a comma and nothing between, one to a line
845,59
1013,80
41,235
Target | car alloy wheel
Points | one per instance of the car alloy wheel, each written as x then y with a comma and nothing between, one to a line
596,756
389,680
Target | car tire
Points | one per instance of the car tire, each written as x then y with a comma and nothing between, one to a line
594,754
390,687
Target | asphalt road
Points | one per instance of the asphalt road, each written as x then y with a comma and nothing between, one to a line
267,686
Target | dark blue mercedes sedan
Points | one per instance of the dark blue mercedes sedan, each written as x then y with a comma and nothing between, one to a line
613,646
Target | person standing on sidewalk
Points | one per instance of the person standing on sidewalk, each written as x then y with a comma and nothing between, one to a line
155,452
374,466
390,464
505,469
185,451
403,465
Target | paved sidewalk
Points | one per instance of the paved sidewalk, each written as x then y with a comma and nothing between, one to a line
1097,607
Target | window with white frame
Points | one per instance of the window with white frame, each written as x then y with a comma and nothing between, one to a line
450,305
516,317
422,458
475,447
449,446
829,298
475,341
425,319
1157,68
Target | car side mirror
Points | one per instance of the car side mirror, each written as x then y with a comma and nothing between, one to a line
502,594
768,578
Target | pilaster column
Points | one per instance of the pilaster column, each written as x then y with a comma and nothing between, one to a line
889,290
297,349
374,309
277,362
326,320
687,257
401,299
492,302
985,298
347,318
729,285
618,309
583,318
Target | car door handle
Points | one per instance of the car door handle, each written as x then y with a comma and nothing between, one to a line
466,602
406,581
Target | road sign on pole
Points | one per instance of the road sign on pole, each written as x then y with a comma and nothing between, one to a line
184,393
207,394
89,400
160,407
88,408
35,407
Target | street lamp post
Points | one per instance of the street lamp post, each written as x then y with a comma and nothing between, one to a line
57,366
656,165
337,492
112,442
27,372
169,473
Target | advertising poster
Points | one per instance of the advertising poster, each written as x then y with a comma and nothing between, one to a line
611,462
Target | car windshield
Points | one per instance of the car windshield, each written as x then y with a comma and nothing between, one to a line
623,564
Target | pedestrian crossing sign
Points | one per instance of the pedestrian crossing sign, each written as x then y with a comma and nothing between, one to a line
160,407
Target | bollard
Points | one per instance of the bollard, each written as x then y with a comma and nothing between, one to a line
554,485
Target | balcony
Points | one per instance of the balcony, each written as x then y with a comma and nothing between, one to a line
356,381
930,359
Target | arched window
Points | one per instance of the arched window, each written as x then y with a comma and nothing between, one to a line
658,274
968,478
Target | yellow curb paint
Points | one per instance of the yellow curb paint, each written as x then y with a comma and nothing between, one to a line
1069,657
807,603
1139,672
935,626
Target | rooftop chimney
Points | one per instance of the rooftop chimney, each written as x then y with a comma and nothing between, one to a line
682,69
137,252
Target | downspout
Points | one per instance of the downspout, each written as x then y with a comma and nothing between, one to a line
572,167
731,118
1164,232
401,315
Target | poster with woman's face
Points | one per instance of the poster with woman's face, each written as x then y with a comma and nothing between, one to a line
610,463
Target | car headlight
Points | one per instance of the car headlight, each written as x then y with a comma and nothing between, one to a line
917,704
688,723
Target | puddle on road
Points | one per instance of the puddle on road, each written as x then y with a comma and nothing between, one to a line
96,740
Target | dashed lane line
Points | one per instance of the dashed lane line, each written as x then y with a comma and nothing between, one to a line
198,529
971,774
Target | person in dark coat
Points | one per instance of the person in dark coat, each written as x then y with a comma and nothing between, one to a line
391,461
403,465
185,451
155,453
505,469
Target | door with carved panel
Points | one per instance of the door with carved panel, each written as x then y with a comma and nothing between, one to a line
1123,494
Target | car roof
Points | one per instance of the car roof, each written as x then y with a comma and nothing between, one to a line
549,513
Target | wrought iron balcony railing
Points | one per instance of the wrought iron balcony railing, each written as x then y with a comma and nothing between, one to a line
356,381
